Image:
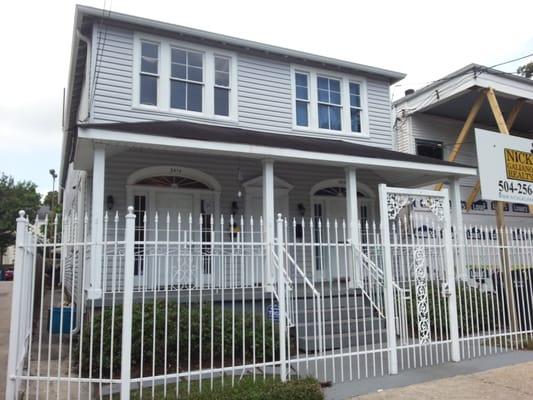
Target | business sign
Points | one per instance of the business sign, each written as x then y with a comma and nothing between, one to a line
505,166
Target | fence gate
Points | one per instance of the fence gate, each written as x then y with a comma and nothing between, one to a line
419,274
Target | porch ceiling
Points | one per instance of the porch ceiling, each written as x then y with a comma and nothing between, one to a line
392,166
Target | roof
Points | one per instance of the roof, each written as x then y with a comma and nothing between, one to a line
472,69
194,131
243,44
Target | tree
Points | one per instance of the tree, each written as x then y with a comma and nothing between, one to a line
526,70
14,197
52,200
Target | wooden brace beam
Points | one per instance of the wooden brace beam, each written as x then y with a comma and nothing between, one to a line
464,130
504,127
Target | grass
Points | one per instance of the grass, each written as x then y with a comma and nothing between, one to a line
245,389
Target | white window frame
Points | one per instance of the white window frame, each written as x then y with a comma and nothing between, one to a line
163,89
307,102
186,80
230,88
138,73
345,80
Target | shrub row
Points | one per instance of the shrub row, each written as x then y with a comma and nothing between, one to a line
221,335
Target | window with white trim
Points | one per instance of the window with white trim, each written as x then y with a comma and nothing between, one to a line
149,73
222,85
301,82
179,77
355,106
329,102
186,79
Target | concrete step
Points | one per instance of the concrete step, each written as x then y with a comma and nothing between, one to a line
334,299
342,326
337,341
334,313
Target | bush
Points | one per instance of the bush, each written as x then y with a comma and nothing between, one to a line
143,338
247,389
475,311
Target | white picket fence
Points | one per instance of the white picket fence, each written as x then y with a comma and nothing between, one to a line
197,302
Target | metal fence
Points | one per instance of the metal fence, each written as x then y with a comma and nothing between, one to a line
192,303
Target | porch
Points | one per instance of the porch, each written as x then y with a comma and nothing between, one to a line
206,200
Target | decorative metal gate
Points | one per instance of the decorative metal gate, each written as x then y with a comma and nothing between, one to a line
418,263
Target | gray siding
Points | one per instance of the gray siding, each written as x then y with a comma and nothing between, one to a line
264,91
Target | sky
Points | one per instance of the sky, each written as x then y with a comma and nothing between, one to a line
425,39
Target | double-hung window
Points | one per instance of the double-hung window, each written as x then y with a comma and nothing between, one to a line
186,80
302,98
149,73
355,106
329,103
222,85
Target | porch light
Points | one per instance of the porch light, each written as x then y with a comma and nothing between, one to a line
110,202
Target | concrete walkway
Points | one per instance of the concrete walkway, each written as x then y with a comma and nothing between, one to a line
513,382
5,315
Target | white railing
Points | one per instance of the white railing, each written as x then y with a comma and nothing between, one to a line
187,304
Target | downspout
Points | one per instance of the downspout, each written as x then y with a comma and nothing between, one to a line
88,63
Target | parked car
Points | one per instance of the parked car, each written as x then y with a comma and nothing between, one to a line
8,275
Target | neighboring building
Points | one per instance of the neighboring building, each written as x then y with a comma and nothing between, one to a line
174,119
428,121
8,258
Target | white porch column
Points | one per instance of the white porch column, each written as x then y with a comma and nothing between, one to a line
352,216
268,217
94,285
457,223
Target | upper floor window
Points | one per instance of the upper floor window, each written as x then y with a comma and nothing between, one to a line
329,103
185,78
429,148
222,85
149,73
302,99
334,104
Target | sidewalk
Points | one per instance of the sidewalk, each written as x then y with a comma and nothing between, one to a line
5,312
514,382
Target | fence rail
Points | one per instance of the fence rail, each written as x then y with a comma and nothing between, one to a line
190,303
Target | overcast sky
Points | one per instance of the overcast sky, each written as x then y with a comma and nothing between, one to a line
425,39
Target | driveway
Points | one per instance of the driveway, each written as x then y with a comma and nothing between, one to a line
514,382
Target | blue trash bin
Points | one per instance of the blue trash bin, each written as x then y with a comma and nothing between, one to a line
54,319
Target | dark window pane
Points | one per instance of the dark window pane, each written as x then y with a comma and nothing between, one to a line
354,88
194,97
179,56
302,114
149,50
194,59
322,83
177,94
301,92
429,148
221,101
301,80
323,95
335,98
221,78
195,74
149,65
334,85
221,64
335,118
323,116
355,100
178,71
148,90
355,116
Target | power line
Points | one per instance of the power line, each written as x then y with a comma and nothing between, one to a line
510,61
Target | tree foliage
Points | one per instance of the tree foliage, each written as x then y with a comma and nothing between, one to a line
526,70
15,196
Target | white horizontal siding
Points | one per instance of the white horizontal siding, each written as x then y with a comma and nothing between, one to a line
264,91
